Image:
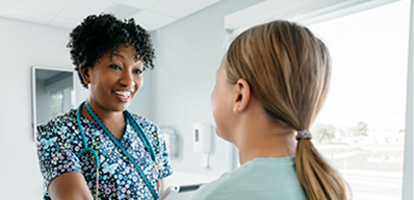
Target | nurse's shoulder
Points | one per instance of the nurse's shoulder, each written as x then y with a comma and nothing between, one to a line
62,125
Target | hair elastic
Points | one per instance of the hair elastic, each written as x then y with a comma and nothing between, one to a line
304,134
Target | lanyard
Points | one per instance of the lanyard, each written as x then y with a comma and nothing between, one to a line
116,141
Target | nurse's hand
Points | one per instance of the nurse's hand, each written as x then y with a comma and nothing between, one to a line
69,186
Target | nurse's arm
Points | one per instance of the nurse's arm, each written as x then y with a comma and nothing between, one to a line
69,186
162,185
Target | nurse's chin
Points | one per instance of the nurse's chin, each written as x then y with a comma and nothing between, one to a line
119,107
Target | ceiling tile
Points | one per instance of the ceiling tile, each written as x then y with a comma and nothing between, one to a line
142,4
64,23
47,7
151,21
181,8
24,15
152,14
122,11
80,9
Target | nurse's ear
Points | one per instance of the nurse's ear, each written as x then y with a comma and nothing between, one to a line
84,71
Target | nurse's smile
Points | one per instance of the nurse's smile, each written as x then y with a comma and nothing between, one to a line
123,95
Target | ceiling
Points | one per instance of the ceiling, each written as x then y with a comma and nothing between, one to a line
151,14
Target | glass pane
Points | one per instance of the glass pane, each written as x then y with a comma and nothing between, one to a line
361,127
56,100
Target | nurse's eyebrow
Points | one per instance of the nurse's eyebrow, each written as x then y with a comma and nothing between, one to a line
117,54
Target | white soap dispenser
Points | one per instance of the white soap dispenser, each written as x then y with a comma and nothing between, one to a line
202,141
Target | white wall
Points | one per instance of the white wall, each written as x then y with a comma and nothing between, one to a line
188,55
23,45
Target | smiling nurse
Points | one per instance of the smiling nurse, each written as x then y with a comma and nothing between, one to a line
113,84
100,150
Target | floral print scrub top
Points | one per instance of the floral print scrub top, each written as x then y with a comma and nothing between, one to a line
60,141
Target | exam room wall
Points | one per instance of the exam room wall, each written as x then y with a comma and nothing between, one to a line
22,46
189,52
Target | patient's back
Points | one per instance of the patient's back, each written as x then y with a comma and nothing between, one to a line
261,178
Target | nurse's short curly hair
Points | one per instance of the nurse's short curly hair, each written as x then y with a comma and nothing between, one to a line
98,35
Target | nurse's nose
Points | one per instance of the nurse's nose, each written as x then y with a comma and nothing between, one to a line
127,79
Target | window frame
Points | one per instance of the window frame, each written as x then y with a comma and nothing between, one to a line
408,175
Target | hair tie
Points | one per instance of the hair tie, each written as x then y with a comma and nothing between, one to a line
304,134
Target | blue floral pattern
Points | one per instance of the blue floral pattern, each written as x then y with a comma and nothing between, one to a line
60,141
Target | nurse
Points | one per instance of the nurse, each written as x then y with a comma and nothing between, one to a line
100,150
270,86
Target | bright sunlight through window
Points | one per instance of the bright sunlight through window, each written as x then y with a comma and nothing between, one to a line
361,127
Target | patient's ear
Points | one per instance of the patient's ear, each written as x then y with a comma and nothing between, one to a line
242,96
84,71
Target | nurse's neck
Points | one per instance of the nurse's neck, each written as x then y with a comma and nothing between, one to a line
105,114
257,137
114,121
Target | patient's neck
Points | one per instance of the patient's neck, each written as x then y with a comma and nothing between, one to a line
274,145
258,137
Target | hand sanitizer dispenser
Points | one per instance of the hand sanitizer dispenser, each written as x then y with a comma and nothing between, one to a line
202,141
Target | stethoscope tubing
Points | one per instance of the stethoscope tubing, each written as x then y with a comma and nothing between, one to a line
141,134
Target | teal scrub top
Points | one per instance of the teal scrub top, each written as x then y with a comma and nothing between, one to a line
261,178
59,142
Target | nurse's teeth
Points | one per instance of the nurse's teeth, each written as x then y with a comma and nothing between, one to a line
123,93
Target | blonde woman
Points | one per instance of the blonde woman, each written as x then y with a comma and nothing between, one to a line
270,86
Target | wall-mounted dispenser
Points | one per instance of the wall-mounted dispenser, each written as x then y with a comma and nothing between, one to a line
202,141
171,142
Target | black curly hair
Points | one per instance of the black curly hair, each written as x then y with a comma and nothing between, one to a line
98,35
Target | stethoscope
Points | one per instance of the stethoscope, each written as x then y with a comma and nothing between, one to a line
116,141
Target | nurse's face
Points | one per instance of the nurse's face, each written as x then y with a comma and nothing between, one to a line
221,103
114,82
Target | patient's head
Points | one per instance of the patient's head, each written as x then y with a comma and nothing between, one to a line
283,71
287,69
98,35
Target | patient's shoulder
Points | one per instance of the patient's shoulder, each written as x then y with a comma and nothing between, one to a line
264,178
226,187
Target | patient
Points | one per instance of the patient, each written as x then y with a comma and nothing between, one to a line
270,86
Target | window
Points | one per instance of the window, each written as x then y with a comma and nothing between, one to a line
361,127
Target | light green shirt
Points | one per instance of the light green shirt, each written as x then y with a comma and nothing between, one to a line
258,179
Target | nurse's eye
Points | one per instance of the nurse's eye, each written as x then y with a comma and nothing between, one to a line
138,71
117,67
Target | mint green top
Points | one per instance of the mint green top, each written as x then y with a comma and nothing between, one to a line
258,179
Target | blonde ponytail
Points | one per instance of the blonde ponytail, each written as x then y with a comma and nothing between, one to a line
319,180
